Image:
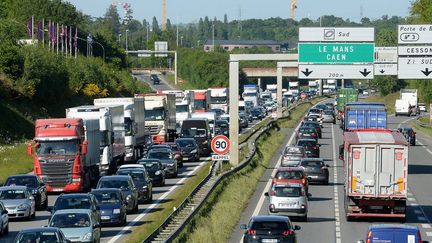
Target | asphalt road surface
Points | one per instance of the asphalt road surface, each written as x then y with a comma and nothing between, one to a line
326,216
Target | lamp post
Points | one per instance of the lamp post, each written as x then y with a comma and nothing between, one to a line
127,40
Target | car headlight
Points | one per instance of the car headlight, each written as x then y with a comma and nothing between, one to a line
194,151
23,206
205,142
128,198
144,187
158,172
87,236
116,211
34,191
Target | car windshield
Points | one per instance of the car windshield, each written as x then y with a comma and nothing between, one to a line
136,175
328,112
199,104
42,237
185,143
218,100
155,114
311,124
73,203
70,220
287,191
296,175
152,166
21,181
310,163
107,197
182,108
128,124
12,194
293,150
64,147
306,143
159,155
121,184
269,225
193,132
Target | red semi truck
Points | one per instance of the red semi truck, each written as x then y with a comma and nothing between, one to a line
66,153
376,170
202,100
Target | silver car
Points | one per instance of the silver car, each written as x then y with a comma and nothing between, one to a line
288,199
18,201
328,116
292,155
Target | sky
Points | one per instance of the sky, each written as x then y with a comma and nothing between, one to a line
187,11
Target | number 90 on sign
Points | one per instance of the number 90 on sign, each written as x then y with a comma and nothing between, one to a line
220,144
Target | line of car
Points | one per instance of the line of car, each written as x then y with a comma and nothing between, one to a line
289,190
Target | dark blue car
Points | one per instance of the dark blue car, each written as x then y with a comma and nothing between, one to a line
396,233
112,205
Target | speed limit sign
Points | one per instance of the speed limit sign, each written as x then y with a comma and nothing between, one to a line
220,144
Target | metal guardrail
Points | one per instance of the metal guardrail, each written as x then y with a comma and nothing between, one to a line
423,124
175,232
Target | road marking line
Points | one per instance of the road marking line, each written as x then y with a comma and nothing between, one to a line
414,204
428,150
156,203
417,211
421,218
336,197
411,199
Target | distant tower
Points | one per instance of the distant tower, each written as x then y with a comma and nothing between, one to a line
163,15
240,23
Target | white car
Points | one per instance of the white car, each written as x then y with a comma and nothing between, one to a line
132,166
422,107
4,220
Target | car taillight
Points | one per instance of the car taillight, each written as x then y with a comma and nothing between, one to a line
303,181
272,193
369,237
271,207
314,134
287,232
251,232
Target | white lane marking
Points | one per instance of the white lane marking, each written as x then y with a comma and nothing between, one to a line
267,186
156,203
411,199
428,150
400,124
421,218
336,197
417,211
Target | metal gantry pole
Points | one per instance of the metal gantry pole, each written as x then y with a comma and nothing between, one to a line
233,112
279,90
175,67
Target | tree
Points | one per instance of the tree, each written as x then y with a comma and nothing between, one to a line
113,19
155,27
421,11
386,37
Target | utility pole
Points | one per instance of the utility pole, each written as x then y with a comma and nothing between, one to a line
213,38
127,40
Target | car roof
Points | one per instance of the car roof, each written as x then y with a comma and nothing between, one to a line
40,229
189,139
313,159
75,210
22,175
275,218
13,188
115,177
392,227
307,139
106,190
289,169
131,166
168,150
148,160
75,195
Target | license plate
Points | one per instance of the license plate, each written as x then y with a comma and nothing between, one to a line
57,189
105,217
376,207
269,240
306,135
313,176
185,159
286,204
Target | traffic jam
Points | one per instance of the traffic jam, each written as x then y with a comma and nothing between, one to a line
102,162
370,150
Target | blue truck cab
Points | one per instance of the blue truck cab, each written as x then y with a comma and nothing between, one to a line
363,115
390,233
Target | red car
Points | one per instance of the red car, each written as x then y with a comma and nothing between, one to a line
291,175
177,151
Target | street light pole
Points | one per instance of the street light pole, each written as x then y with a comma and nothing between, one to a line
213,38
127,40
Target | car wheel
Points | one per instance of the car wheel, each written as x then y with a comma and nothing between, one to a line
150,200
305,218
45,204
136,207
30,216
34,214
6,230
124,223
1,230
176,174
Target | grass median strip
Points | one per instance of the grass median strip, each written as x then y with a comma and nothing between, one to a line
424,130
258,126
162,211
388,100
14,160
220,214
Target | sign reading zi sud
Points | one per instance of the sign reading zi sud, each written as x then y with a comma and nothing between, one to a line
336,53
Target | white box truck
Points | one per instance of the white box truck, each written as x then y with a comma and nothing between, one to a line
134,124
402,107
411,96
251,92
376,170
160,116
211,118
219,98
111,127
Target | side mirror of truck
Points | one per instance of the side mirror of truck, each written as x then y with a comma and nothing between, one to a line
341,152
84,147
29,149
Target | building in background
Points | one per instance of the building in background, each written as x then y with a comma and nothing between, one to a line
229,45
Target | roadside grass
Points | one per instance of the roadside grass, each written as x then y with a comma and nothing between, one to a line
221,212
163,210
424,130
388,100
219,215
14,160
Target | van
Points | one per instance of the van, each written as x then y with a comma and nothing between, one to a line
396,233
210,116
199,129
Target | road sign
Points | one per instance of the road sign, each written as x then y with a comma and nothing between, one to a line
385,69
329,34
336,71
224,157
386,54
220,144
161,46
415,50
415,68
336,53
415,34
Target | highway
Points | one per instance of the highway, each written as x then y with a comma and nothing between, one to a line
326,217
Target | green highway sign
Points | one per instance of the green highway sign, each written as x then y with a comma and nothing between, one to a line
336,53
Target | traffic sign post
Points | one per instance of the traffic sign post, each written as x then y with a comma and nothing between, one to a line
220,144
386,59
